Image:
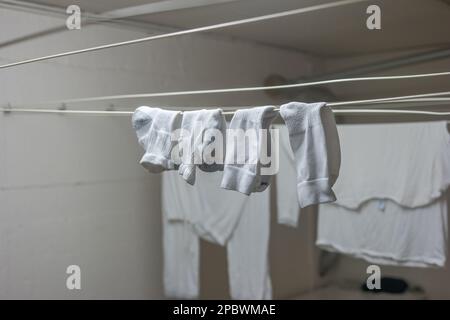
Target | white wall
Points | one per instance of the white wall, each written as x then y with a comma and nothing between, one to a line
71,189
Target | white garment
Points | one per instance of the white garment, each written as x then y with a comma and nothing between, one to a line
408,163
154,128
220,216
181,254
199,131
242,169
314,141
382,232
391,205
286,182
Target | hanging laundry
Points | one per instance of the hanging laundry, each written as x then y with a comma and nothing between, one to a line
202,133
288,209
221,216
391,206
247,138
181,259
314,142
404,162
154,128
387,234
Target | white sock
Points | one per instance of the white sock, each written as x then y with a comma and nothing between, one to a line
198,130
244,176
315,143
154,127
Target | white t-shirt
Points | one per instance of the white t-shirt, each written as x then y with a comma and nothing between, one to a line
408,163
383,232
391,205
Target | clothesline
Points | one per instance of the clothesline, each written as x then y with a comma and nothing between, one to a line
128,113
230,112
188,31
242,89
434,97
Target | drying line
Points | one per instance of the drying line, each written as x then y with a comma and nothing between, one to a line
237,90
402,99
392,111
129,113
189,31
391,99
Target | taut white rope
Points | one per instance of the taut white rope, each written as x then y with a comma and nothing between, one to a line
189,31
128,113
237,90
337,111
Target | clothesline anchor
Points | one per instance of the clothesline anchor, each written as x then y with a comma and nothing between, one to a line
7,109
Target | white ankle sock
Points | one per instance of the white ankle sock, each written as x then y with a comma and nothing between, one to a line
314,141
154,127
198,131
244,175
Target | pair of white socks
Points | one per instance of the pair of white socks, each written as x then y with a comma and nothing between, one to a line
193,132
198,139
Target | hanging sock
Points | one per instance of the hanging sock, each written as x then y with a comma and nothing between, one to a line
244,145
155,129
314,141
201,133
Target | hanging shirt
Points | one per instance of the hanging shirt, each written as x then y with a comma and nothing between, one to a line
383,232
391,207
408,163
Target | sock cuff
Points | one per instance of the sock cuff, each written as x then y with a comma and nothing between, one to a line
259,116
315,192
238,179
300,116
187,172
156,163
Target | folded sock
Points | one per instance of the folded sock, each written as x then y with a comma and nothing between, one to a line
314,141
155,130
242,169
198,137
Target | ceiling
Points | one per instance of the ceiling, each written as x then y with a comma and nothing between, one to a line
334,32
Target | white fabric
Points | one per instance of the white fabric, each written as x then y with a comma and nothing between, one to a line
286,182
315,143
405,162
220,216
245,176
391,206
383,232
198,131
181,254
154,128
